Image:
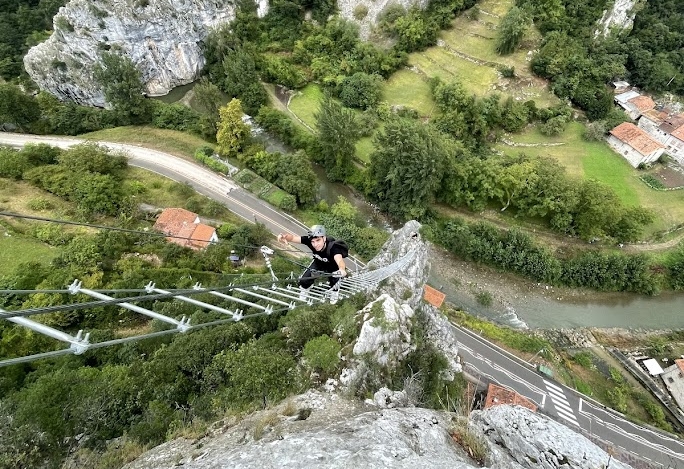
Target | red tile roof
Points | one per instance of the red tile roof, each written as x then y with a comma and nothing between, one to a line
680,364
181,226
679,133
636,138
655,115
172,220
497,395
672,123
643,103
201,236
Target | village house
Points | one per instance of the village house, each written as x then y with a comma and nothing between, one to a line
635,145
651,121
184,228
634,103
673,378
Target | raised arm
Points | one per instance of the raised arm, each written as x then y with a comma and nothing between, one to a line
341,266
289,238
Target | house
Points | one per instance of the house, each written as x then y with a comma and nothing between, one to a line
651,121
184,228
674,145
620,86
634,144
498,395
634,103
673,378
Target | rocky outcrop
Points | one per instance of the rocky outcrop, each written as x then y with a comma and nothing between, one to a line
162,38
620,17
366,13
534,441
318,430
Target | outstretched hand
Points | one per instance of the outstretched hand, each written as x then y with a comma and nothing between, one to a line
339,273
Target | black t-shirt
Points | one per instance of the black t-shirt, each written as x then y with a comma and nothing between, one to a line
321,258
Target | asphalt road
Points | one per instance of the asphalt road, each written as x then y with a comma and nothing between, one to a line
567,406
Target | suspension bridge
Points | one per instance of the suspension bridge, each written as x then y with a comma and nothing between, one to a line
235,302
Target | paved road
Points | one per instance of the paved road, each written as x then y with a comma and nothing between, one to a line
206,182
565,404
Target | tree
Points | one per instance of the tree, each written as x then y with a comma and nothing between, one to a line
17,109
208,96
297,177
337,134
123,87
407,167
232,131
511,30
242,80
361,90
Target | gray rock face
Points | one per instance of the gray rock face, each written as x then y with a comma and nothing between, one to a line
534,441
620,17
161,37
352,10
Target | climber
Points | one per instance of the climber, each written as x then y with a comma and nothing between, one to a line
328,256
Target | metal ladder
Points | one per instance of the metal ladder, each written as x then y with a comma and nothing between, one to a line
263,299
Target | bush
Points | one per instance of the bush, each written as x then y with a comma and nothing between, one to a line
553,126
361,90
360,12
322,354
594,131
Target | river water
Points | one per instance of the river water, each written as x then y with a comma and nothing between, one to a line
624,310
665,311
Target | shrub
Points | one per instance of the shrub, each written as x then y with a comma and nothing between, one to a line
360,12
40,204
361,90
553,126
322,354
484,298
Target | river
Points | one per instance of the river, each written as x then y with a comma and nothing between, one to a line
523,308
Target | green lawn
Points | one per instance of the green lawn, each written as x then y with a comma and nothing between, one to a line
169,141
410,89
16,249
305,104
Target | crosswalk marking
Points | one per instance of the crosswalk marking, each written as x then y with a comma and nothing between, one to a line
560,402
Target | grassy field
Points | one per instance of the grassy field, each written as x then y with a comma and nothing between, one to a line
596,160
305,104
17,249
409,89
169,141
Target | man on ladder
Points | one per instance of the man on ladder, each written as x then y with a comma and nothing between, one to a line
328,256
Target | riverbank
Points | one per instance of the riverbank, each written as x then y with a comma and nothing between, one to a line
518,302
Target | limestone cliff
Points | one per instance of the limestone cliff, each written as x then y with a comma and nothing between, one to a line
620,17
161,37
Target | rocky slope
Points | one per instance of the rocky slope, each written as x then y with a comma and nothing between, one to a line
161,37
324,429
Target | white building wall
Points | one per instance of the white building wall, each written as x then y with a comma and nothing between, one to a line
627,152
674,382
675,148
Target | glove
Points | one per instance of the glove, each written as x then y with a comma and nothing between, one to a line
339,273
